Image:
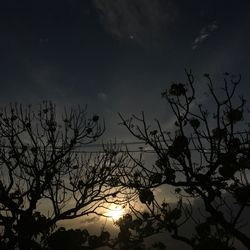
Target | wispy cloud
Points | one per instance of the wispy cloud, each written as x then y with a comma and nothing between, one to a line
91,220
142,21
205,32
102,96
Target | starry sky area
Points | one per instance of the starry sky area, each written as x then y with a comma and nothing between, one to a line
117,55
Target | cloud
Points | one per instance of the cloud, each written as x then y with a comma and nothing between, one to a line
102,96
142,21
205,32
91,220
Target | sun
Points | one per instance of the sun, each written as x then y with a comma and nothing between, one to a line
115,212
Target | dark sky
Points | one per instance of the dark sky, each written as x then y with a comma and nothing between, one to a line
117,55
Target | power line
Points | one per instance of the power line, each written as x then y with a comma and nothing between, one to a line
78,149
122,143
115,143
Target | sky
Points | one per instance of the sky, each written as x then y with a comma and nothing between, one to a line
118,55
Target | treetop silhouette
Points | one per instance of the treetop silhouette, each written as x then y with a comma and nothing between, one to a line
204,157
43,180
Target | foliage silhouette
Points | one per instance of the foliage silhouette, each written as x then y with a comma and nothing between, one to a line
63,239
133,231
43,180
205,156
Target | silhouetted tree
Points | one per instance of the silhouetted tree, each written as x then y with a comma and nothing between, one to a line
43,179
205,156
133,231
77,239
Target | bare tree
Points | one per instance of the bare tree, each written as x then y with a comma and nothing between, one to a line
43,178
204,157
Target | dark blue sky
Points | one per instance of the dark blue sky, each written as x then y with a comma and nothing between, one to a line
117,55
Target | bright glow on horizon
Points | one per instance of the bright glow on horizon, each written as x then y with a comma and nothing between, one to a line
115,212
